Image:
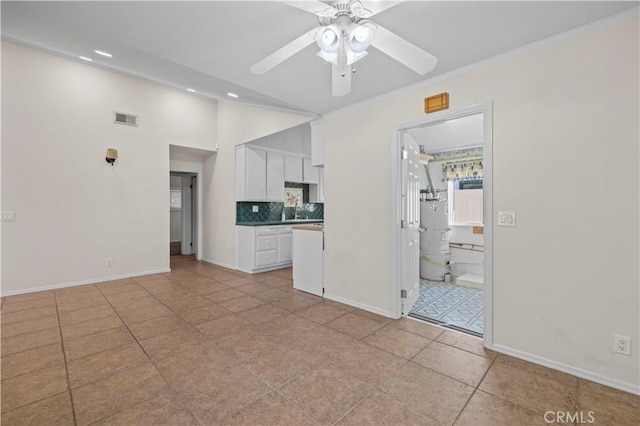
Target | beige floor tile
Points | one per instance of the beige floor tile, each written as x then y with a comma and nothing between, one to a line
240,304
148,278
271,409
118,286
116,393
27,297
188,302
536,392
234,281
286,326
165,409
263,313
126,304
354,325
53,411
248,344
368,363
224,295
272,294
10,305
399,342
31,387
90,290
278,282
607,406
29,326
78,304
91,326
24,342
322,340
219,393
295,303
338,305
208,286
224,326
104,364
559,376
485,409
156,326
428,393
453,362
204,313
420,328
127,295
98,342
102,311
279,366
28,310
31,360
144,314
466,342
167,344
159,286
372,316
326,393
321,313
381,409
253,288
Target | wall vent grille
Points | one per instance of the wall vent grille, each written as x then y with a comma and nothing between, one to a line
126,119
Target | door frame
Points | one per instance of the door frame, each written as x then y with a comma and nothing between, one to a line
395,201
196,197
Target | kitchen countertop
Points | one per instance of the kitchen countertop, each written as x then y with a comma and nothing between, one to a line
317,227
279,222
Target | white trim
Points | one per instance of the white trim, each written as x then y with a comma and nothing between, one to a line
520,51
395,272
359,305
84,282
607,381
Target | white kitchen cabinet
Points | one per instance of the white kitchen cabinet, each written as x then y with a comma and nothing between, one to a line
317,143
316,192
275,177
263,248
251,174
292,168
309,173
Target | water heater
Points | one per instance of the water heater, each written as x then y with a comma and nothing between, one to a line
434,241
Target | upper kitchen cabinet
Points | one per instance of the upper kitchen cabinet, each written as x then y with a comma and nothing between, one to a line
292,168
309,173
259,175
317,143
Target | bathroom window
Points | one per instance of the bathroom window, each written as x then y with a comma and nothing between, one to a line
176,199
465,202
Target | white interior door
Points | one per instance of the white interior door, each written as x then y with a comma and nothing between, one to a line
410,224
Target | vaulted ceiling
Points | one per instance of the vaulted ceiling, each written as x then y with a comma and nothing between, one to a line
210,46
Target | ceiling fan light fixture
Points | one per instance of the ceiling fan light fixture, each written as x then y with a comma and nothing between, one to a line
360,36
329,57
328,39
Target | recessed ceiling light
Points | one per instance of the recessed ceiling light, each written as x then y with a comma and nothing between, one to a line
100,52
232,95
84,58
191,90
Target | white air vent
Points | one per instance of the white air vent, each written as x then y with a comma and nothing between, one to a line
128,119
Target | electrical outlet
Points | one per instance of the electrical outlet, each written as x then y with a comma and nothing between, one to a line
622,344
254,209
109,263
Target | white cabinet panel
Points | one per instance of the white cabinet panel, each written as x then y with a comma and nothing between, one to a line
292,168
275,177
317,143
309,173
251,174
285,247
263,248
266,258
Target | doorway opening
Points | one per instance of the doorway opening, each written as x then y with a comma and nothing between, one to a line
443,240
183,231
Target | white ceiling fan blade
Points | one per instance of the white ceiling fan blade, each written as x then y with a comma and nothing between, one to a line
377,6
314,6
408,54
341,84
284,52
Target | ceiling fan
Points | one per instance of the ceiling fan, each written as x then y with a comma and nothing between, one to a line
343,36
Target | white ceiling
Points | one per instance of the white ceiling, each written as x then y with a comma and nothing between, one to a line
210,46
464,132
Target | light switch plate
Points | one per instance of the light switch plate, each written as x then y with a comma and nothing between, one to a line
507,218
254,209
8,216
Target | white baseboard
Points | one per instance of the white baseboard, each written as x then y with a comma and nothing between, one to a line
83,282
359,305
213,262
607,381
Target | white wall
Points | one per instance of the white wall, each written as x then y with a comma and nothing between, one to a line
237,124
73,210
566,279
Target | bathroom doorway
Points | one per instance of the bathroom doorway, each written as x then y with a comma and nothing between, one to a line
455,220
183,222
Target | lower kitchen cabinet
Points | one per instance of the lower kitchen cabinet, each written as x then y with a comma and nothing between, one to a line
263,248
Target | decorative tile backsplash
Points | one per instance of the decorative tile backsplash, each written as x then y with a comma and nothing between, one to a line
272,212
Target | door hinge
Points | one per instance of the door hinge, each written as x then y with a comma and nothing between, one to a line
191,244
191,186
403,294
404,154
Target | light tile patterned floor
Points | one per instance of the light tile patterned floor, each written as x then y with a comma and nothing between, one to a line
205,345
450,305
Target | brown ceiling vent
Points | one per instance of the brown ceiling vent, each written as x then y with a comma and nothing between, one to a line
127,119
